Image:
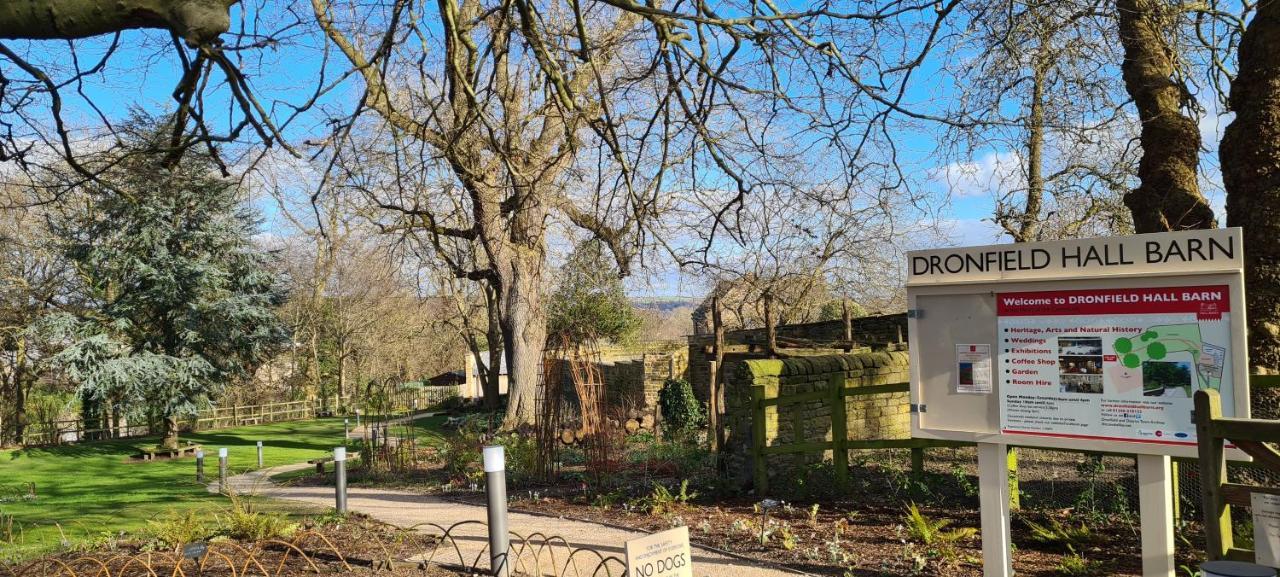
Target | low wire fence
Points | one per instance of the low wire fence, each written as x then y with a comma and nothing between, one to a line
426,549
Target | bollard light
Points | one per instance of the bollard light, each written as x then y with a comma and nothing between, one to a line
495,459
340,478
222,469
495,473
199,465
259,454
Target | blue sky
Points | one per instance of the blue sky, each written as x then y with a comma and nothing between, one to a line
145,71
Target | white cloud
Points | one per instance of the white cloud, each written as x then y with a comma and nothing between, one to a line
972,232
989,175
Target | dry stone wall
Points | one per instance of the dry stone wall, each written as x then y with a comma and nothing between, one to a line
872,333
868,417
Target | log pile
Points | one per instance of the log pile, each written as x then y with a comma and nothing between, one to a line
636,422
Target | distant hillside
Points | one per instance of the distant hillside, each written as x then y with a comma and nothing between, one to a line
665,304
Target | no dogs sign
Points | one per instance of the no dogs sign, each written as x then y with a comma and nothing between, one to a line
664,554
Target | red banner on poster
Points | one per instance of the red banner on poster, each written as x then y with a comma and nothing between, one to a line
1207,302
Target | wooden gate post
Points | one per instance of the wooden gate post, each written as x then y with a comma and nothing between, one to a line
1213,474
839,430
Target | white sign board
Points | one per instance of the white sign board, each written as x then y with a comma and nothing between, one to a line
1266,528
664,554
1097,344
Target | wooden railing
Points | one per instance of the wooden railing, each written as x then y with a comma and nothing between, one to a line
1213,433
840,444
74,430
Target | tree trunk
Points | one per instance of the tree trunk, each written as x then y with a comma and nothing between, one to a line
198,21
1250,156
1168,197
342,374
1029,225
492,379
525,320
170,440
20,390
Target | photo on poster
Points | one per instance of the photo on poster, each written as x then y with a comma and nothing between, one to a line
1166,379
1083,346
1080,365
1088,384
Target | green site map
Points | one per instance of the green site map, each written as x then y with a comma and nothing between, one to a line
1158,344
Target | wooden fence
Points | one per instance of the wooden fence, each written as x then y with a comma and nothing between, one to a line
1213,432
840,444
74,430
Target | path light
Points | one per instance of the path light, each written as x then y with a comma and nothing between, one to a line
259,454
340,478
222,469
495,474
199,465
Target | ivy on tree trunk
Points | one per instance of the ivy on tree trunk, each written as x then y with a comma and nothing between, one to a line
1250,156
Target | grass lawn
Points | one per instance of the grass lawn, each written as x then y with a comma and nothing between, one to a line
90,489
429,430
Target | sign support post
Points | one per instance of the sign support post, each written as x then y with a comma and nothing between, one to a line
1155,506
993,497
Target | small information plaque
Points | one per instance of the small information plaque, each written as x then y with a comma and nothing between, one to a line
973,369
664,554
1266,528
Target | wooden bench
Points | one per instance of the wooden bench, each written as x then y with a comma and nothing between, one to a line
250,421
150,453
320,463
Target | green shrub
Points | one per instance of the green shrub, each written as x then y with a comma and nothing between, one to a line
681,410
930,532
240,521
663,501
1075,565
521,455
256,526
1055,534
176,529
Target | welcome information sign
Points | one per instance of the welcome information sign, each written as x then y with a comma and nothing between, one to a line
1096,340
1115,364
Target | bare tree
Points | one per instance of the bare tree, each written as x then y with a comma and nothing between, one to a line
34,280
591,113
1039,92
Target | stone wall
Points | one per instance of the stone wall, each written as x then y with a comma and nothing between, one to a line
871,333
633,381
868,417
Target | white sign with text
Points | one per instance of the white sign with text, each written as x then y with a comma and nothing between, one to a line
664,554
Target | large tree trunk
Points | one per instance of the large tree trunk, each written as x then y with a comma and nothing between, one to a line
170,439
1250,156
20,390
1168,197
525,320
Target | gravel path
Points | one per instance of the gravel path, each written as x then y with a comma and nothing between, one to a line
433,514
